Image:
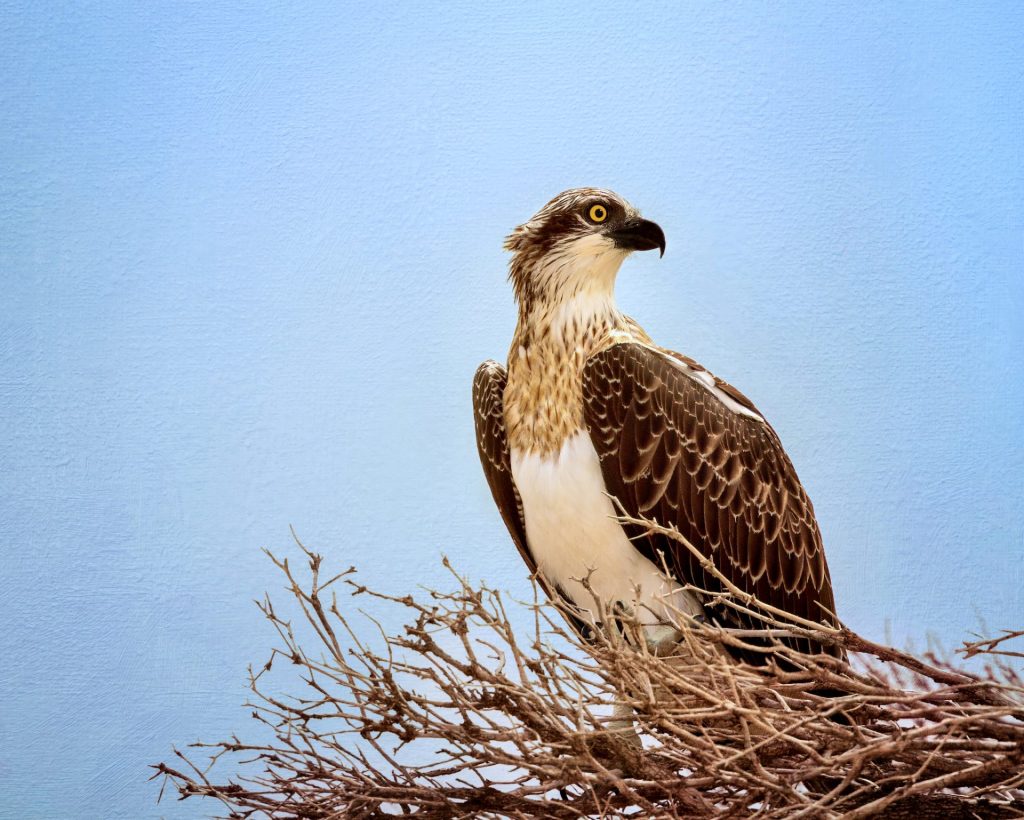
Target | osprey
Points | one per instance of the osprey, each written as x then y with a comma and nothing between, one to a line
590,411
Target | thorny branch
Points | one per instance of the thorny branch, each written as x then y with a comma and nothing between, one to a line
460,716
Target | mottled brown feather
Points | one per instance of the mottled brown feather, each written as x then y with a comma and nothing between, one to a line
492,443
672,451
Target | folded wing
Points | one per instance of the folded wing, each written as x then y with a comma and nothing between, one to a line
686,451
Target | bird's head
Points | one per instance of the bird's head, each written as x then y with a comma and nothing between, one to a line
575,245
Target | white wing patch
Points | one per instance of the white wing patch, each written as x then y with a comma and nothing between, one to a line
706,379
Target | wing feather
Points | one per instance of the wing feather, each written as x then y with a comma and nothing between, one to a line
492,442
671,450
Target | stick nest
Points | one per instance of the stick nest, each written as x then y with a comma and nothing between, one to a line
461,715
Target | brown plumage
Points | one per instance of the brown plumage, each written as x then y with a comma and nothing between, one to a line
674,443
672,452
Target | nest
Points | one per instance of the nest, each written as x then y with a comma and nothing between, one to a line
462,714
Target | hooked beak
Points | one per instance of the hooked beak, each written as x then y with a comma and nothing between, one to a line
638,235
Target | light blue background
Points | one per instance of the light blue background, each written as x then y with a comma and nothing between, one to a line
251,257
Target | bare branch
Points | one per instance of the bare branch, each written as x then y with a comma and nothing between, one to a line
457,715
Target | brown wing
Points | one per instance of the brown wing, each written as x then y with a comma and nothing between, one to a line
491,441
672,451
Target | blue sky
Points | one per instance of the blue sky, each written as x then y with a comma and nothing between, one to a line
251,256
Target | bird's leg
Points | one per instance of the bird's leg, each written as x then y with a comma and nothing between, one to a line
662,638
622,726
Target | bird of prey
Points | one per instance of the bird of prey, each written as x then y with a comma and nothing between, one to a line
592,422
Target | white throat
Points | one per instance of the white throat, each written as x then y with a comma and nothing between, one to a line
578,283
590,262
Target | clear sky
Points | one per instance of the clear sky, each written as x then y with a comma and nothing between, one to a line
251,256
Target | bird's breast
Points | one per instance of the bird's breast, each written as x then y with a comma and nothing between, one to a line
572,533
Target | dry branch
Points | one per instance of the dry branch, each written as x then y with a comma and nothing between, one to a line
460,716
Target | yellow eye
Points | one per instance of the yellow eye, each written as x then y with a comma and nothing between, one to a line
598,213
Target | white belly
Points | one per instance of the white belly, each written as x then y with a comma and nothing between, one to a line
572,531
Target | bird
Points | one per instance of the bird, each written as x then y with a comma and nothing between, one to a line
592,428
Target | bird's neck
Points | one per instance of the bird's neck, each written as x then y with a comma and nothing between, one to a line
553,340
567,323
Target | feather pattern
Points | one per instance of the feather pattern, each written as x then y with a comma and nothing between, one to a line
492,443
673,450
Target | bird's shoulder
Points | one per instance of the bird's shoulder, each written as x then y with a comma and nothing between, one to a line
632,350
489,410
